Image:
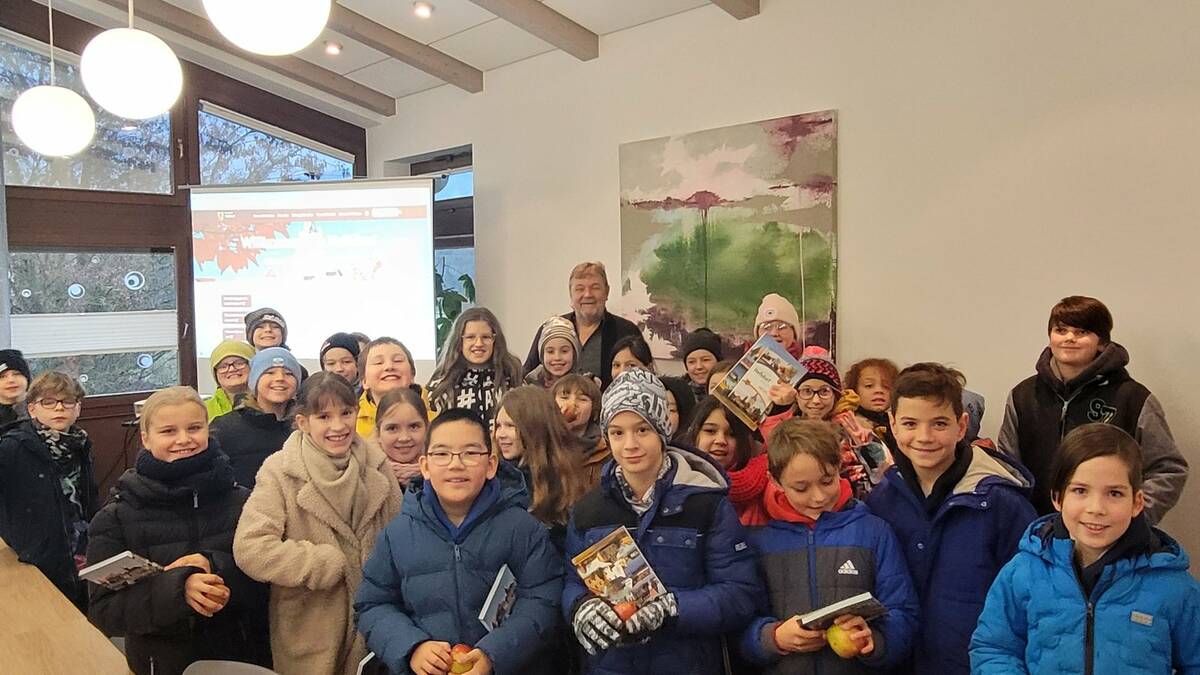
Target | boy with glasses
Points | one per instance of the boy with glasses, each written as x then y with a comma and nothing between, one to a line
434,566
47,494
231,371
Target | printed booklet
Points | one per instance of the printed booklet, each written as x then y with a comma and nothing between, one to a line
122,570
614,569
500,599
863,604
746,388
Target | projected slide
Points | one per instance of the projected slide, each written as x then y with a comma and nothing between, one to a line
333,257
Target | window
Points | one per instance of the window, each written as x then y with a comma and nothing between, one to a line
458,185
107,318
237,149
125,156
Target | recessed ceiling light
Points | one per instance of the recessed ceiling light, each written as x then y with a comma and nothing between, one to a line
332,48
423,10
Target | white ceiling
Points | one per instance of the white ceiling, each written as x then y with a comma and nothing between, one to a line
463,30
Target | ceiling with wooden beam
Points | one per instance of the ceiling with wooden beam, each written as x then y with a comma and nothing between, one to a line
388,53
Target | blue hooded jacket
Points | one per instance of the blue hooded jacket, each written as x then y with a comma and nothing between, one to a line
1145,613
847,552
428,580
954,555
694,543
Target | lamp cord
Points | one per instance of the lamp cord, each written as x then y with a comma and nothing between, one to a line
131,13
50,18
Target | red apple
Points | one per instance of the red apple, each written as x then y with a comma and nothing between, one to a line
625,610
457,652
842,644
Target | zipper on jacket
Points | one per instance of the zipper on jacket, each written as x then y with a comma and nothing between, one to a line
457,599
194,521
1089,640
812,569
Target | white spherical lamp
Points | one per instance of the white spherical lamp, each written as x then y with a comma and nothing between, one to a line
270,27
131,73
53,121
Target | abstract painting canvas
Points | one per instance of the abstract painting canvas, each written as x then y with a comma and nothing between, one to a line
711,221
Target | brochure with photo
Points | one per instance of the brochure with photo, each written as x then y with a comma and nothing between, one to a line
122,570
500,599
615,569
746,388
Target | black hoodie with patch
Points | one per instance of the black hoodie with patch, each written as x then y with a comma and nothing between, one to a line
1043,408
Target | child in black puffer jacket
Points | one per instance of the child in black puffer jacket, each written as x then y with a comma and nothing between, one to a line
179,507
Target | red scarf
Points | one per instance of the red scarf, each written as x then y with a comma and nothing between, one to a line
779,508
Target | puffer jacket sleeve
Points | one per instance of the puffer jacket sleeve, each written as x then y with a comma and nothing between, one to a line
539,572
1007,440
378,609
574,592
150,605
729,598
244,592
895,631
1164,469
756,641
1185,649
998,644
262,552
1015,515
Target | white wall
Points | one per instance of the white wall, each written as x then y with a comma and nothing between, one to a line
994,157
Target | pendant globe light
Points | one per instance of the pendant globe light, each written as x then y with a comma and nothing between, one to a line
52,120
270,27
131,73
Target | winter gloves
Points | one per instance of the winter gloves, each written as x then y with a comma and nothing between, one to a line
597,626
652,615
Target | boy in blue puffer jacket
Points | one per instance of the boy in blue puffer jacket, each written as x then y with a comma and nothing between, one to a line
673,502
433,567
818,532
1094,588
957,510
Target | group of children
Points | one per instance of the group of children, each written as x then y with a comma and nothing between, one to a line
319,518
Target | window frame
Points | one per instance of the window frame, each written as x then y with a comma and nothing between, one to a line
50,217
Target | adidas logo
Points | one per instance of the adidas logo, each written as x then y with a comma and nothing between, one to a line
848,568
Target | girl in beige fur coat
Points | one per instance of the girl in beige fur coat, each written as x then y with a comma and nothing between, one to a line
309,526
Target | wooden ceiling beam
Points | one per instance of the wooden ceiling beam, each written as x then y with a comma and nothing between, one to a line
542,21
183,22
740,9
405,49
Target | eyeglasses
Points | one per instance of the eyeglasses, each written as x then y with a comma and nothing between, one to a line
52,403
485,339
806,394
232,367
469,457
768,326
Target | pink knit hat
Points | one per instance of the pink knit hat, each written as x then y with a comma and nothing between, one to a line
775,307
820,367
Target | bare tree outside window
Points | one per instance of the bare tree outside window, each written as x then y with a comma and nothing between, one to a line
232,153
125,156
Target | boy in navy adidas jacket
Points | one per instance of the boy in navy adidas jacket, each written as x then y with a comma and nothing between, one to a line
821,546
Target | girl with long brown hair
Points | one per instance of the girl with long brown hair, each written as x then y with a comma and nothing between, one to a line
530,434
